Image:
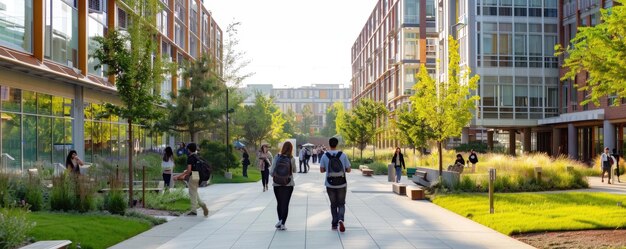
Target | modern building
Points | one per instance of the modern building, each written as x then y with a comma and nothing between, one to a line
318,97
510,44
50,91
582,131
398,37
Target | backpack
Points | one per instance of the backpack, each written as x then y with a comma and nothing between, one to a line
473,158
203,168
336,172
282,170
610,159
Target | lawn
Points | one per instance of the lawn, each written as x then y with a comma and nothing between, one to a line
88,230
517,213
253,175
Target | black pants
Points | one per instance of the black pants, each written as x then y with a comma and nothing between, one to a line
337,198
283,196
166,179
265,174
301,163
244,170
306,164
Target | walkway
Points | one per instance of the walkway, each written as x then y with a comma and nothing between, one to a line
242,216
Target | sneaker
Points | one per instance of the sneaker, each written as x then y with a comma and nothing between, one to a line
205,209
342,228
278,224
192,213
282,227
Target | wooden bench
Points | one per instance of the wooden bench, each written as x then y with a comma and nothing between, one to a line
49,244
399,189
367,172
362,167
137,187
415,193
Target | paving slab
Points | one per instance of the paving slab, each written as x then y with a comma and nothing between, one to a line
243,216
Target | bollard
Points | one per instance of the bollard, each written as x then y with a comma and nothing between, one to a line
492,178
391,172
143,187
538,173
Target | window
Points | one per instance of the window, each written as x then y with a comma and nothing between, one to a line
535,44
520,44
411,46
489,44
550,12
521,96
61,33
162,18
179,33
16,25
550,41
520,12
534,12
430,9
489,95
505,44
411,12
506,94
505,11
95,29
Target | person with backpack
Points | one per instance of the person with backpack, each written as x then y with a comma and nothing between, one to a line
336,164
398,162
473,159
607,161
264,159
197,164
282,170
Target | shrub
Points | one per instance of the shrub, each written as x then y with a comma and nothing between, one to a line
162,201
214,153
477,146
13,227
5,193
180,163
379,168
115,203
34,195
85,198
63,194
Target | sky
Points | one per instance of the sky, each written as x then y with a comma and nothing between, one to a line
294,43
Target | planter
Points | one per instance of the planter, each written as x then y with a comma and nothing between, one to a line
228,175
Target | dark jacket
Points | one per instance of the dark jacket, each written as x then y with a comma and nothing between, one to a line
473,159
393,160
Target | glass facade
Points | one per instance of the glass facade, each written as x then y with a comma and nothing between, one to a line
61,44
411,11
95,29
16,17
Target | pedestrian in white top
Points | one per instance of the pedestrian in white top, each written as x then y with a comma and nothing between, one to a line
607,161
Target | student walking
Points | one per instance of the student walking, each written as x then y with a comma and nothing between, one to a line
301,155
167,164
607,162
616,156
473,159
245,161
313,157
282,170
194,180
398,162
264,159
307,157
336,164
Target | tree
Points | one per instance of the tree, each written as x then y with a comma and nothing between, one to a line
600,51
409,128
445,107
129,57
306,120
330,129
359,126
262,121
369,112
234,61
195,107
290,123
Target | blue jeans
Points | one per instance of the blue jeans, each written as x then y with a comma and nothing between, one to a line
398,173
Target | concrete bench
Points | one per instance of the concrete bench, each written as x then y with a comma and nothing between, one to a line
399,189
367,172
415,193
49,244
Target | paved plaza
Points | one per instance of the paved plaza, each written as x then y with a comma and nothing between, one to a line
242,216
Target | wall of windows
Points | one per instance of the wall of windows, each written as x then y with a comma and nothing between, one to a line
16,18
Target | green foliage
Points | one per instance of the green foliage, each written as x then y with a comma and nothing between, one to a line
445,107
601,52
5,192
234,61
409,128
34,194
215,154
262,121
331,126
168,199
306,120
359,126
180,163
194,109
14,227
89,230
541,212
477,146
63,194
115,203
379,168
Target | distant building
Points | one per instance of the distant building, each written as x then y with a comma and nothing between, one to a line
318,96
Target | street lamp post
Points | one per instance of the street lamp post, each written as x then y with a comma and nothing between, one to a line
227,149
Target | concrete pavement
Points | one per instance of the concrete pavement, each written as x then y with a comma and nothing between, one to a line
242,216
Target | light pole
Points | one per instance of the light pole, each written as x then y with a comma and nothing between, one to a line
227,149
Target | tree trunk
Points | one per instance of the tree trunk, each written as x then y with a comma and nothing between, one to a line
131,149
440,158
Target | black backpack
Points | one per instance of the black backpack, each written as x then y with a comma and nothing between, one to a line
336,172
203,168
282,170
